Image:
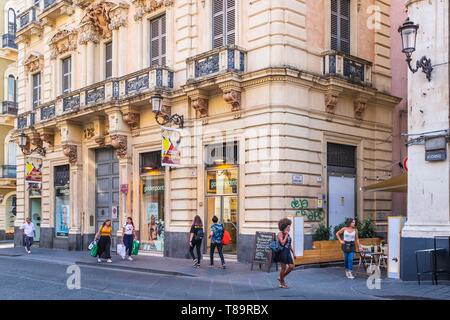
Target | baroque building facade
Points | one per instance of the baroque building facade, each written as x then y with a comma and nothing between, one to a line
8,98
286,106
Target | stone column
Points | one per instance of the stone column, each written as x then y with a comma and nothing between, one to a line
428,181
141,40
21,199
90,63
84,71
115,50
76,204
122,55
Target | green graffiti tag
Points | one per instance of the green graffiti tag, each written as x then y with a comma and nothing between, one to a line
312,215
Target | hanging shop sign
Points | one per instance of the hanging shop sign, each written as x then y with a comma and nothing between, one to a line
170,149
33,170
124,188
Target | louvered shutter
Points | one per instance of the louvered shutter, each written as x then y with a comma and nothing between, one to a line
340,25
231,21
158,41
218,23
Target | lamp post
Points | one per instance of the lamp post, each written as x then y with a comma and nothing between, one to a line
408,32
160,116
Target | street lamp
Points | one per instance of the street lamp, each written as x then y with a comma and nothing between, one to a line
23,140
408,32
160,116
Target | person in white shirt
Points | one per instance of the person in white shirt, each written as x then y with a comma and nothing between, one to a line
28,231
129,233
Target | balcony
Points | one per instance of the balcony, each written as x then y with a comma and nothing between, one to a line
9,41
215,62
8,172
347,67
9,108
53,9
25,120
29,24
47,112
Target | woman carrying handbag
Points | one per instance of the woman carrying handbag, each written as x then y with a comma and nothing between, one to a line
348,245
104,241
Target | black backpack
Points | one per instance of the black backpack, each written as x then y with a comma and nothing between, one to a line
200,235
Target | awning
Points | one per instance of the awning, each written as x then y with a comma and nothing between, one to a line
394,184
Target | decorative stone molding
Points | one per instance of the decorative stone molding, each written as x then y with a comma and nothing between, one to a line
360,105
88,133
82,3
34,63
132,119
47,22
143,7
118,17
88,33
47,138
70,151
35,139
62,42
119,142
233,97
200,104
331,101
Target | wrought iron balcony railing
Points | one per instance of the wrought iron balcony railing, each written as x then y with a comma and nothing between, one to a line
9,108
22,121
47,112
348,67
27,17
221,60
9,41
8,172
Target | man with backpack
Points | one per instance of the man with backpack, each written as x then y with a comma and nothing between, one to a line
195,240
216,235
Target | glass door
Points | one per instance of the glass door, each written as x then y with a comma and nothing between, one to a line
222,202
35,213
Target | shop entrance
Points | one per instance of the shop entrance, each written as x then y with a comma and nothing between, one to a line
107,190
35,214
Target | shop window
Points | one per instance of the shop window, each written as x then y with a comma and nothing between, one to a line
152,194
222,153
62,200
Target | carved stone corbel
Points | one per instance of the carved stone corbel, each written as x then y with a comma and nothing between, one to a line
360,105
120,143
48,138
331,100
132,119
70,151
233,97
200,104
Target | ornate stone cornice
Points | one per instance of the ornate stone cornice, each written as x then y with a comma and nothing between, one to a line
88,33
34,63
143,7
70,151
63,41
120,143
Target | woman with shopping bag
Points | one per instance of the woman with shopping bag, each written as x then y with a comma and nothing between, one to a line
129,234
103,237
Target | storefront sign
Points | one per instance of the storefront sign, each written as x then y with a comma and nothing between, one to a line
170,149
311,215
33,170
436,148
124,188
227,183
436,155
153,189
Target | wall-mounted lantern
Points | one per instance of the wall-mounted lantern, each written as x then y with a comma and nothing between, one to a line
161,117
408,32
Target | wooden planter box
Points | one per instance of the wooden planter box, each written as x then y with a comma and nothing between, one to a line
329,251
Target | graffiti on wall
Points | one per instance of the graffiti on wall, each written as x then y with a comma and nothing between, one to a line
302,209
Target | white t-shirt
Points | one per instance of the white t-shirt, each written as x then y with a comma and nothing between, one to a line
128,228
28,229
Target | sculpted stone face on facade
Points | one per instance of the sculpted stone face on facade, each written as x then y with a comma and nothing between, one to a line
70,151
119,142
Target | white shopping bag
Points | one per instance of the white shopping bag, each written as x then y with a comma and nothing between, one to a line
121,250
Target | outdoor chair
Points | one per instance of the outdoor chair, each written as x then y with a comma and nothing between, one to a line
383,257
365,259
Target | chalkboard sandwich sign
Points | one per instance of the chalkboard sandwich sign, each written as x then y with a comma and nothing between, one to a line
262,254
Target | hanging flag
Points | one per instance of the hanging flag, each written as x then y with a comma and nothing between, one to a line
170,149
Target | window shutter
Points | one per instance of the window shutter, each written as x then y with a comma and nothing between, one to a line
231,22
340,25
218,23
345,26
158,41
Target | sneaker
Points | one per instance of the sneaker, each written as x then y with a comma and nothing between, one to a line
130,259
26,250
346,274
350,276
197,266
99,260
194,262
29,251
224,267
109,260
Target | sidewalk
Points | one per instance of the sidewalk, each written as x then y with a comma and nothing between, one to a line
311,283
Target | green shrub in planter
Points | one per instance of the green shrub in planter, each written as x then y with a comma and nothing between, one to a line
366,229
322,233
337,228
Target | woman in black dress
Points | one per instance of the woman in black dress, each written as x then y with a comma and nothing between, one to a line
286,256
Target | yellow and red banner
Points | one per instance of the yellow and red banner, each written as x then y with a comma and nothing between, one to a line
170,149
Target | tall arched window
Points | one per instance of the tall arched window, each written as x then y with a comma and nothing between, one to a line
12,88
11,21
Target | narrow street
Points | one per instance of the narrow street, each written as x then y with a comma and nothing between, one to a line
42,276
